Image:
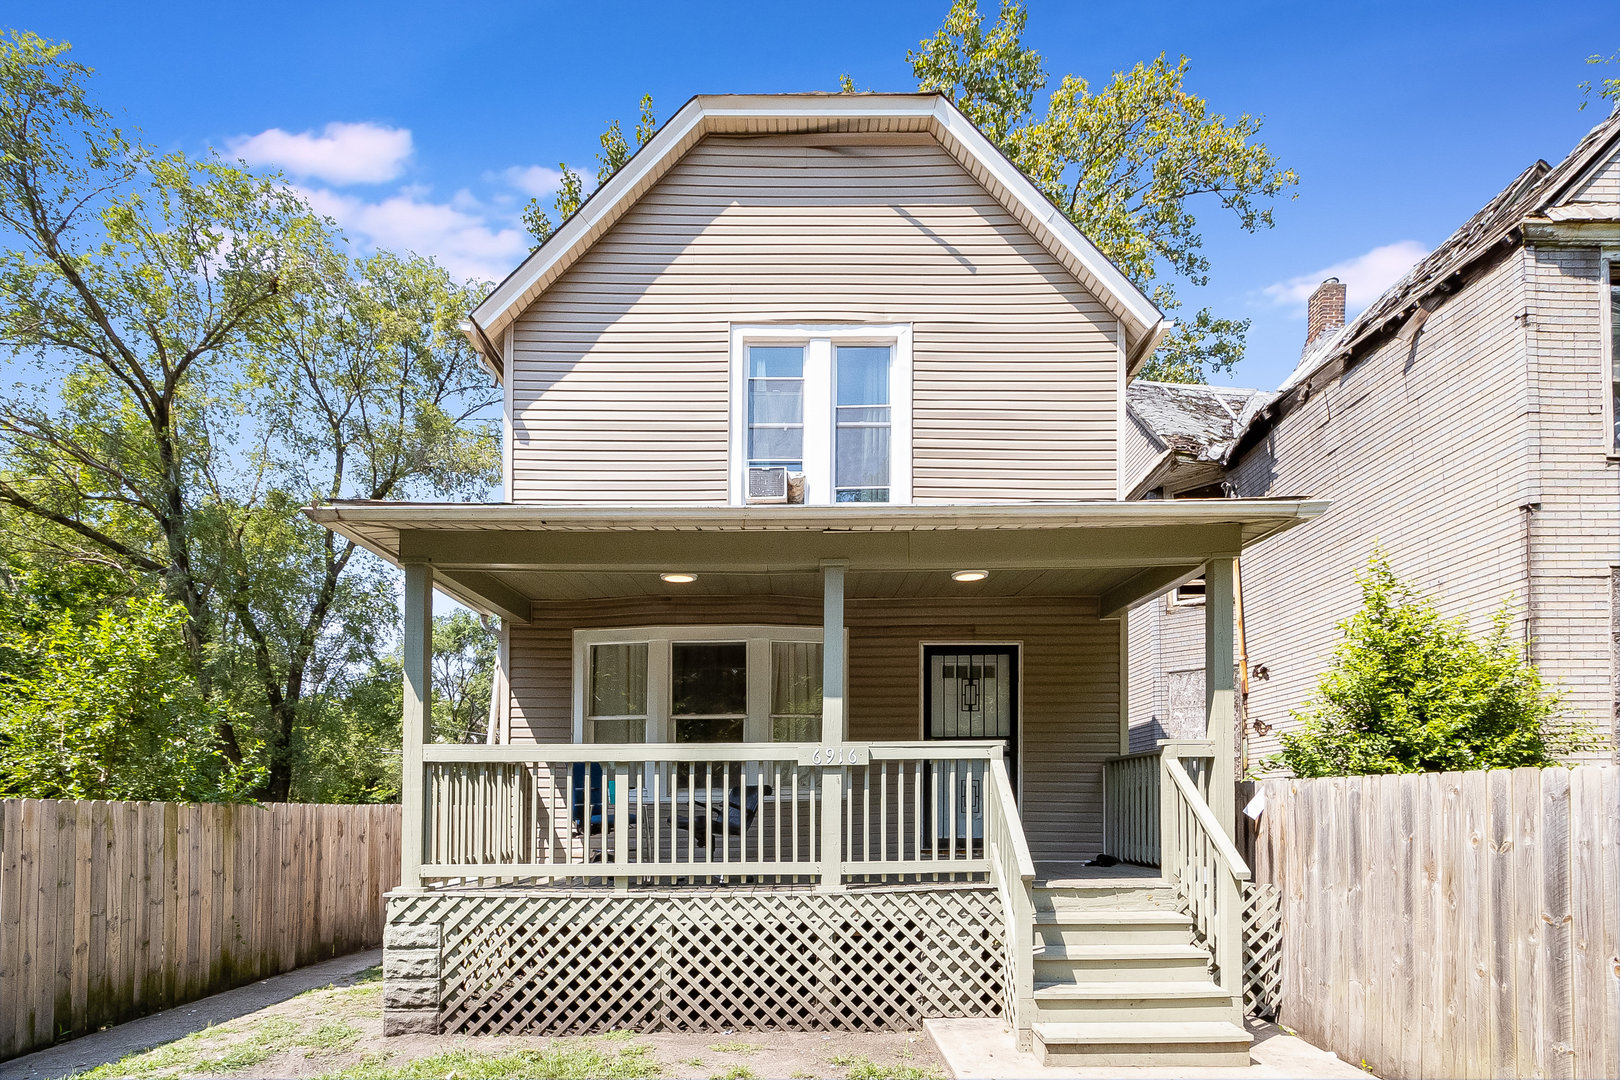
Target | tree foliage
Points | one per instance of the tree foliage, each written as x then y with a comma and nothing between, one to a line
1127,163
107,707
1412,691
615,152
206,359
1608,88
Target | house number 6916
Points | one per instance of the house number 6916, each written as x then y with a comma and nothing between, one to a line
838,755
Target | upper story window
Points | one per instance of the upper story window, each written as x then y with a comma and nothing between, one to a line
830,405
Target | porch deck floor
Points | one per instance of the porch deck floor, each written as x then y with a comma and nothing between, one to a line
1059,875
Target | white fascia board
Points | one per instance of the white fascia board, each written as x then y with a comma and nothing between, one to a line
713,113
493,311
1065,232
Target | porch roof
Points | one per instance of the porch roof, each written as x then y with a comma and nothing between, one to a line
501,557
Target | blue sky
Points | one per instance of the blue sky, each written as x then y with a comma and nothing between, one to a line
1402,119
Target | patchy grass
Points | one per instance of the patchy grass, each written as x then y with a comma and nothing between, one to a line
861,1067
735,1047
332,1037
581,1059
737,1072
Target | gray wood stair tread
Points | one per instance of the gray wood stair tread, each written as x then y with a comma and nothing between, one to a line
1134,1031
1110,917
1131,991
1127,951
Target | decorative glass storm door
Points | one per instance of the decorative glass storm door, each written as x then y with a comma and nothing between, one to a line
969,692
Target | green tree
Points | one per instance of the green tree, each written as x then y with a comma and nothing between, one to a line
1126,163
616,150
1608,89
206,360
1412,691
108,708
463,670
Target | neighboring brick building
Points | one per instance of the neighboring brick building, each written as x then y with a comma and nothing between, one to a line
1465,423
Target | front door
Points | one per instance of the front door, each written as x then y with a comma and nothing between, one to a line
969,692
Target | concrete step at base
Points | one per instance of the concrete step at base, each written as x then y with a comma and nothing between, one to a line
1111,1045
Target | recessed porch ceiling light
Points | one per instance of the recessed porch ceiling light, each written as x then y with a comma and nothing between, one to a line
678,578
970,575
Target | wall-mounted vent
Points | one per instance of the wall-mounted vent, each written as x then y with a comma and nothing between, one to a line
767,484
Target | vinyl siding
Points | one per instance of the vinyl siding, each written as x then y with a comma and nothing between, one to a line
620,370
1070,683
1426,454
1138,451
1166,641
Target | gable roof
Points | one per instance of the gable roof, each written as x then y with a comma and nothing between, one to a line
756,114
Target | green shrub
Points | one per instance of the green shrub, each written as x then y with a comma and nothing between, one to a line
1412,691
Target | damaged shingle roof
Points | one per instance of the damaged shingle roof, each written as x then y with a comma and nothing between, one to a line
1194,419
1532,192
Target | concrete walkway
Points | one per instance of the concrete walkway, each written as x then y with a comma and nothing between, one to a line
986,1050
114,1043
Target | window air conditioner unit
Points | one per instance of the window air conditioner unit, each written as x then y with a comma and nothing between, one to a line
767,484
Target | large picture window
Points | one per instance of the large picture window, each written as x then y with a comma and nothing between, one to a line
729,684
831,404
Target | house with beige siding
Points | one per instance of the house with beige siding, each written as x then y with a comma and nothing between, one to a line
1464,424
810,569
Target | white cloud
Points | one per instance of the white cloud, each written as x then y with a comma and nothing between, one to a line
1365,276
534,180
340,154
465,241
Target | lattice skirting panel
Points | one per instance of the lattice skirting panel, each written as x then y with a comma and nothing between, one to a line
1262,949
508,961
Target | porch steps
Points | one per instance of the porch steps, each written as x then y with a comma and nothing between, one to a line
1119,981
1153,1043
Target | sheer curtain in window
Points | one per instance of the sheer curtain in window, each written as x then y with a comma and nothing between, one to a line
795,691
616,709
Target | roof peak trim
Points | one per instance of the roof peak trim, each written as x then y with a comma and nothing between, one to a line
713,114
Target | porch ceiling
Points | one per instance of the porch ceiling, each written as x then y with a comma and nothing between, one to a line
498,558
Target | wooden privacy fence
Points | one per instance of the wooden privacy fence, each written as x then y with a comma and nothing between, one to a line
110,910
1450,924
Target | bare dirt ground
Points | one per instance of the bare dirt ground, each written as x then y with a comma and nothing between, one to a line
336,1032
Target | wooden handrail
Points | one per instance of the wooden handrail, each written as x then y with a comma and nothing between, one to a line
598,753
1012,871
1206,821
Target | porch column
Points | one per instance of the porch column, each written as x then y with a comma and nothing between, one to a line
833,725
418,664
1220,696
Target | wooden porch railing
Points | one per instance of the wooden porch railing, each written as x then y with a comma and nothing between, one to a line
774,813
1012,871
1131,807
1158,813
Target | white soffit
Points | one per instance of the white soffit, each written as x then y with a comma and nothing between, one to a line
817,113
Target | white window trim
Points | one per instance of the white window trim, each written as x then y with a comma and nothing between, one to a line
818,341
1610,258
658,639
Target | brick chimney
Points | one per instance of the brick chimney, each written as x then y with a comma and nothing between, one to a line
1325,310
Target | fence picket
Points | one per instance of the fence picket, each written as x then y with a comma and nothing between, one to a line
1451,924
113,910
